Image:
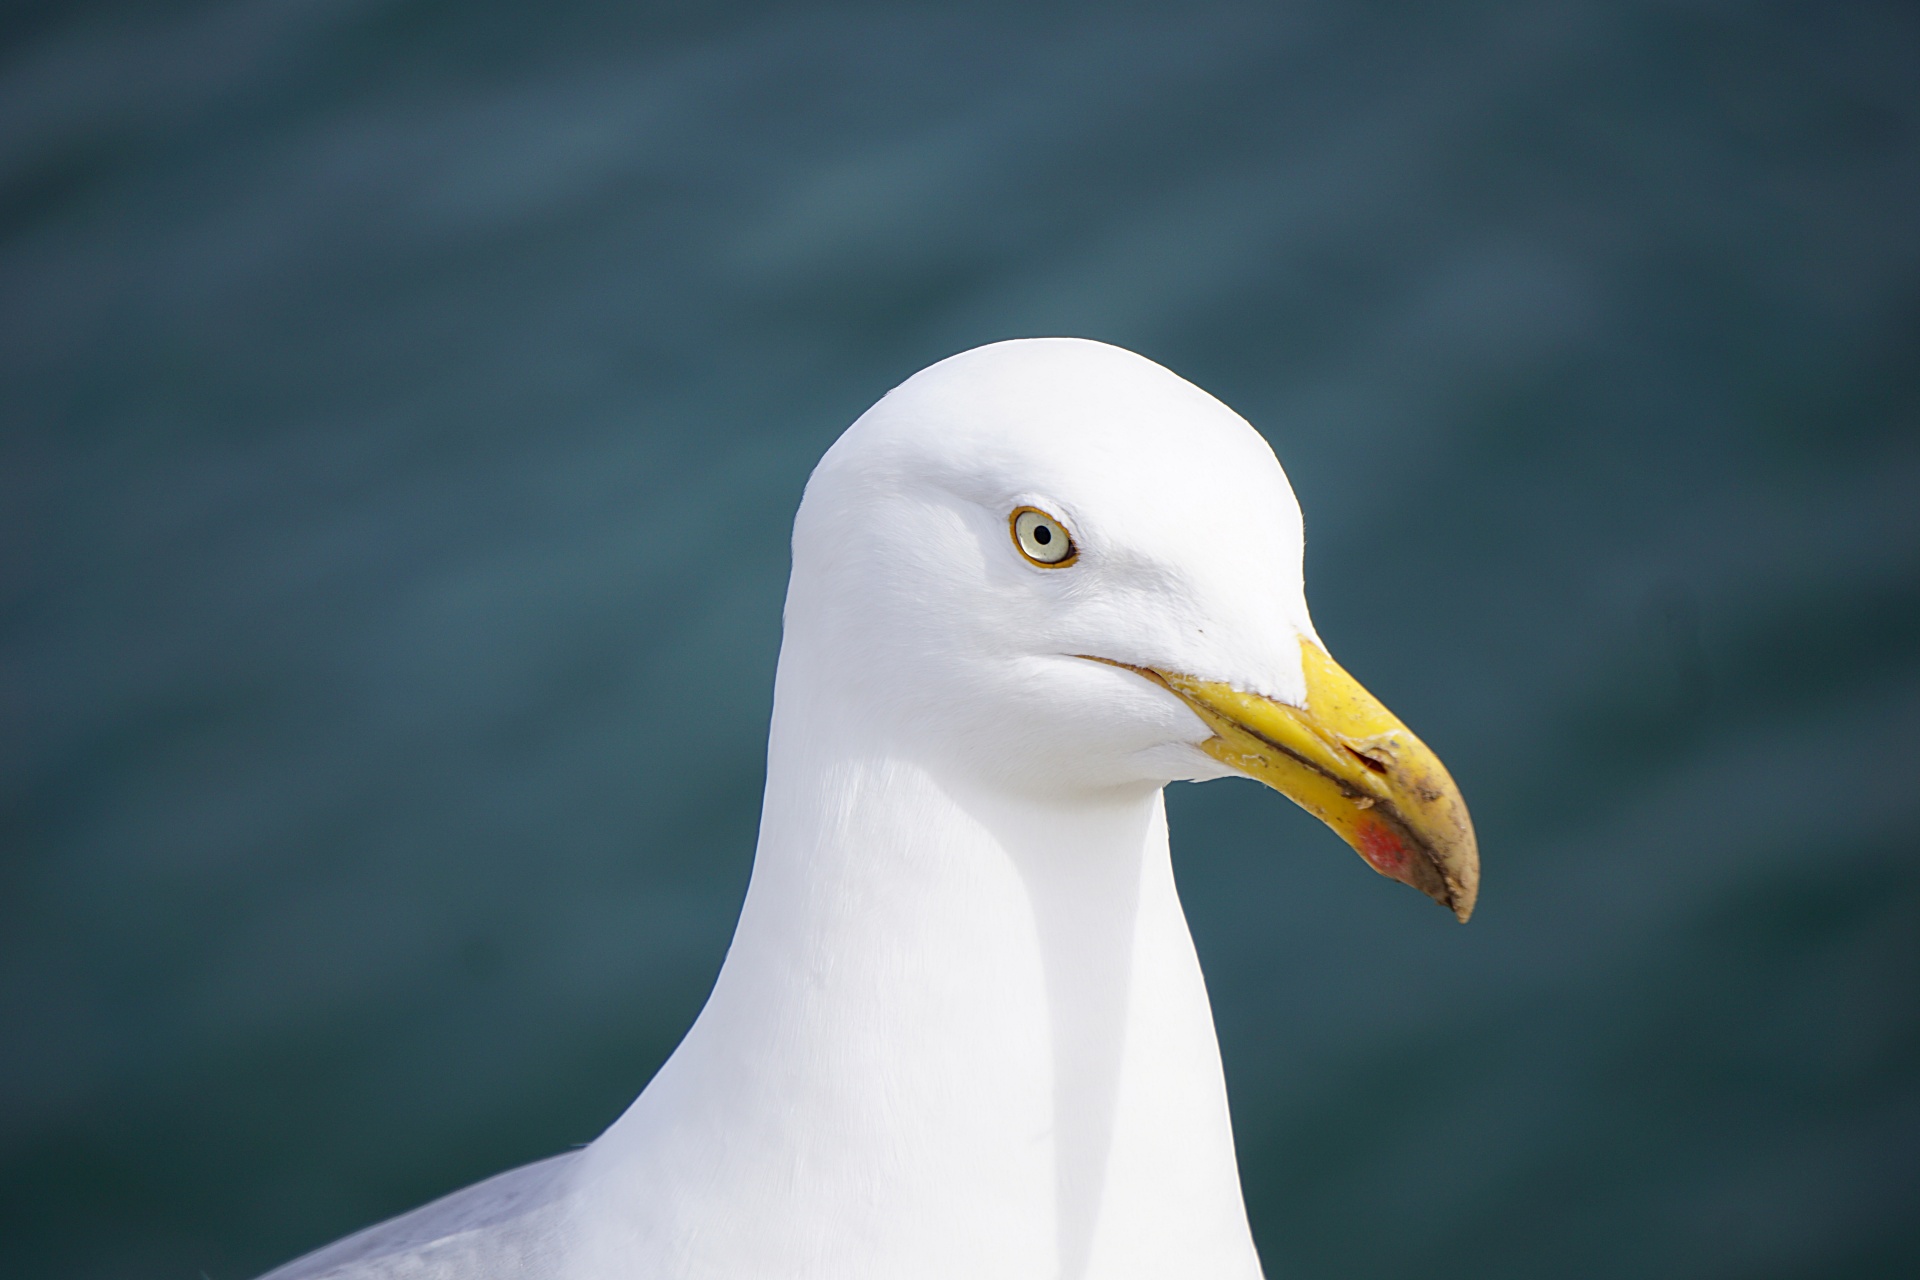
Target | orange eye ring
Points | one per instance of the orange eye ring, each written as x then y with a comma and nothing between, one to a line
1042,538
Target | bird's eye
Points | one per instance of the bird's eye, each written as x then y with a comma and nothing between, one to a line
1042,539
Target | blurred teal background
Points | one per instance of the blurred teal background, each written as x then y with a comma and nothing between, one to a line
404,409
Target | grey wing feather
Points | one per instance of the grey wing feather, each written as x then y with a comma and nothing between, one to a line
506,1228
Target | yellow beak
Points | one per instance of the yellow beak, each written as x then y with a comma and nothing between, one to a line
1350,762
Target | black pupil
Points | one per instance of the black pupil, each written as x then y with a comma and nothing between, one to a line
1042,534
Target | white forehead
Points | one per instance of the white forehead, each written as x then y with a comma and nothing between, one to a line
1189,532
1130,453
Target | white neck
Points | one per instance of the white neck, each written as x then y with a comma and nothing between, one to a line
960,1032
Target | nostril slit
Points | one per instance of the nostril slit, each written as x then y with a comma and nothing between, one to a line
1367,760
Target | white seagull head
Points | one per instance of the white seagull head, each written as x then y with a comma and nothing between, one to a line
1054,564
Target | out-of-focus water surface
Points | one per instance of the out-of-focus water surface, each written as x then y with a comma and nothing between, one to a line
405,405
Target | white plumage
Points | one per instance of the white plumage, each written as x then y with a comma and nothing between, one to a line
961,1030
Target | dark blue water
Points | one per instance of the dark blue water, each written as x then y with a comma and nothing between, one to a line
404,406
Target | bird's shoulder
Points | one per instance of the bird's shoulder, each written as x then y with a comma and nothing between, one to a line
505,1228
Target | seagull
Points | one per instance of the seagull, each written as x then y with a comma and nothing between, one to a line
961,1030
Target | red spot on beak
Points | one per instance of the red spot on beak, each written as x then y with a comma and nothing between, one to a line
1381,846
